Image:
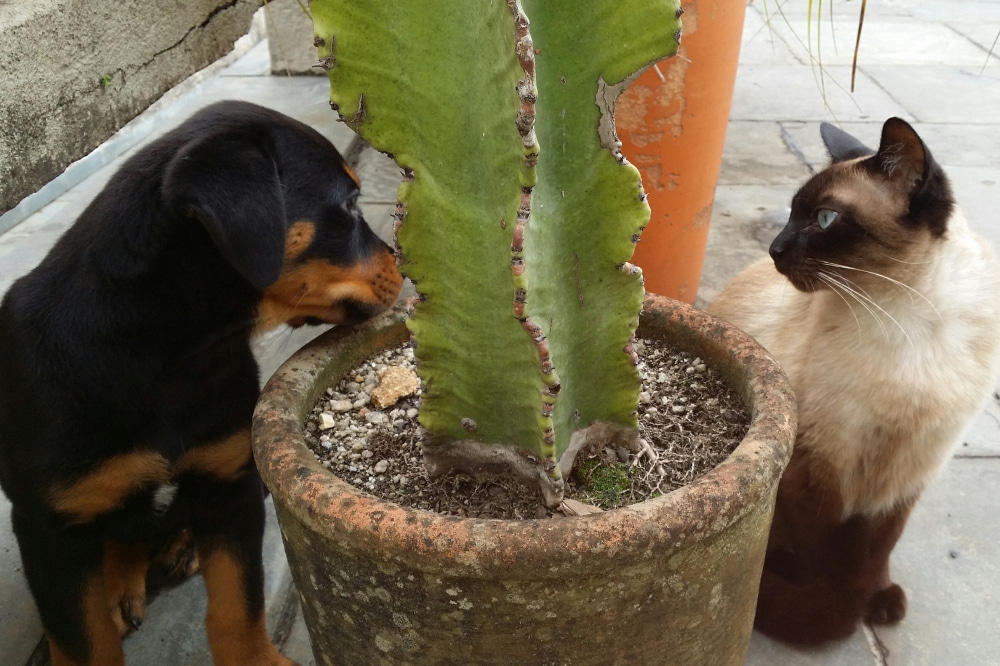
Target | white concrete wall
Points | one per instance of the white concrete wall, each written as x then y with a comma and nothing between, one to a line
72,72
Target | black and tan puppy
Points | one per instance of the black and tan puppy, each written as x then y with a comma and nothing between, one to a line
127,382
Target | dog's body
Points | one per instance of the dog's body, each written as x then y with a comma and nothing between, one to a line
127,381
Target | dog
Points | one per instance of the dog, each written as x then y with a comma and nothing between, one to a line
127,382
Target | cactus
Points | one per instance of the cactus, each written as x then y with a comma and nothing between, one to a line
518,246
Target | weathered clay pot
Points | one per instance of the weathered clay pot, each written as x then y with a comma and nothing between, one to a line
669,581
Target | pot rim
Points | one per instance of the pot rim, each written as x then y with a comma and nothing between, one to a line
699,510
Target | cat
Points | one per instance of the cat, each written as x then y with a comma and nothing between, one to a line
883,308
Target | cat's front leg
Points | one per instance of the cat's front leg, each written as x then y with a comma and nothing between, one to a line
864,546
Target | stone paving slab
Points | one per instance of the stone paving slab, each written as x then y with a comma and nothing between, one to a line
762,45
756,153
853,651
793,92
941,94
884,41
948,561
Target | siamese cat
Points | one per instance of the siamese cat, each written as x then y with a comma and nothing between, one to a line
883,308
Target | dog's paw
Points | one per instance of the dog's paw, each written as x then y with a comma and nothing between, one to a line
129,613
125,567
887,606
179,561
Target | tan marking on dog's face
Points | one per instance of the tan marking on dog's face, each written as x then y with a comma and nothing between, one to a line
105,645
235,637
224,460
109,485
331,294
300,236
350,172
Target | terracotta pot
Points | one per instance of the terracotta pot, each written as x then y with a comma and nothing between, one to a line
672,580
672,123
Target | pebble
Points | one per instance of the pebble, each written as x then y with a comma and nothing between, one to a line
700,368
622,454
689,370
661,378
678,409
326,421
357,447
376,418
411,413
645,398
403,480
381,466
366,454
341,406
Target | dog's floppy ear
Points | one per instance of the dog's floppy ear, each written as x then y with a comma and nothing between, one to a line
229,182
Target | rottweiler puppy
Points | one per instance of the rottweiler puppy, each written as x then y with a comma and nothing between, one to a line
127,382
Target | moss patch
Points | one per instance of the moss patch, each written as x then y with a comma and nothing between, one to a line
603,483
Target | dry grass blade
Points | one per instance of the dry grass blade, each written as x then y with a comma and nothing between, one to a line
857,43
989,55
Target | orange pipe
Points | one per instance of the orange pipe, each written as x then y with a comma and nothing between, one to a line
672,123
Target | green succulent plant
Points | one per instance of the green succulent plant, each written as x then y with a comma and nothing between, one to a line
517,216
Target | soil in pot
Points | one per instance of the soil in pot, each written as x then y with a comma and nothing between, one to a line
689,421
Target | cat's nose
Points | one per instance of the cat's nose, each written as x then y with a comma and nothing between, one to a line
779,247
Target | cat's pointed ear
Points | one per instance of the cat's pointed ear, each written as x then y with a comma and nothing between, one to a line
902,156
841,145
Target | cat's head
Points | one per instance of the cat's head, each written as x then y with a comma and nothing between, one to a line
870,210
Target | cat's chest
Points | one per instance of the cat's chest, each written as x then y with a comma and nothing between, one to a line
883,413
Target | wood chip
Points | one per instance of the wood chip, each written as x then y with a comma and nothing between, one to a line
571,507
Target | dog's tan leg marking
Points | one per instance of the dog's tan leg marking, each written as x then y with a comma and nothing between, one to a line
180,559
224,460
105,642
125,567
236,638
108,486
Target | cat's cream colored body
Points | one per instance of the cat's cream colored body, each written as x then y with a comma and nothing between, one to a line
884,410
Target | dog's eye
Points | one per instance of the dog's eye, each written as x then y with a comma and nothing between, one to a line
352,203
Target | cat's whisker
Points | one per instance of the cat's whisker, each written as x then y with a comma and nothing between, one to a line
833,288
910,289
830,279
854,284
883,311
909,263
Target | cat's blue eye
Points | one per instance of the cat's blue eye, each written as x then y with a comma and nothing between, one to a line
825,218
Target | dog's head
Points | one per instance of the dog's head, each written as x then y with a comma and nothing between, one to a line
281,205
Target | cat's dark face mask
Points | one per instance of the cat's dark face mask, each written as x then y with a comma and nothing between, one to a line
866,206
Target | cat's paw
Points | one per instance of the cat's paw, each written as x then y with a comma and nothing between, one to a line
887,606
